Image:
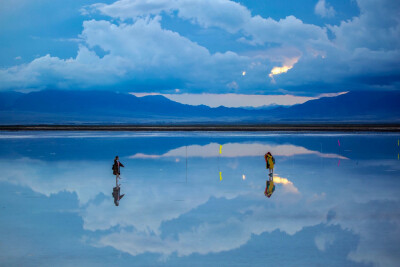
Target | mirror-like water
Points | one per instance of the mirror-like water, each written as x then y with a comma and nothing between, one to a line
189,201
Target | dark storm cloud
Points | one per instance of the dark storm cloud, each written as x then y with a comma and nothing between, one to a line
139,52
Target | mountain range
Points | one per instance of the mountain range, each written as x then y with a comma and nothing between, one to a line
104,107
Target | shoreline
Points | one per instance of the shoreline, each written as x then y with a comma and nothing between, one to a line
218,128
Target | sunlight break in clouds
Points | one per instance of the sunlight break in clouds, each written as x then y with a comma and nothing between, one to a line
289,63
279,70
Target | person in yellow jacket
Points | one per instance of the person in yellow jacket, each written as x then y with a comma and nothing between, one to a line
270,162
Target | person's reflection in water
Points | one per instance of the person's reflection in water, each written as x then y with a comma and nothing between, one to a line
117,189
117,195
270,187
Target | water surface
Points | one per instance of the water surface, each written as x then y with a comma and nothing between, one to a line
335,204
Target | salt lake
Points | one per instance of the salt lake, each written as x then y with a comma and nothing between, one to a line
197,199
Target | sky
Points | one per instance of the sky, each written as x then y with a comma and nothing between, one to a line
250,47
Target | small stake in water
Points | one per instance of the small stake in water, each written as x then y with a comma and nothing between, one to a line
339,147
220,152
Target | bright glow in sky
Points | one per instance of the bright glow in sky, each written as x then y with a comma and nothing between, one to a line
289,63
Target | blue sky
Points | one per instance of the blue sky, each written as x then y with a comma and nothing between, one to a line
303,48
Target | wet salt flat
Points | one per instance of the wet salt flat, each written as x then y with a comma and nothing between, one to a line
335,204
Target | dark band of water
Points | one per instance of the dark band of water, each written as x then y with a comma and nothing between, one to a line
271,127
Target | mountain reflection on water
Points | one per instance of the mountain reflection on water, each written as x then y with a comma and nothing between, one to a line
335,204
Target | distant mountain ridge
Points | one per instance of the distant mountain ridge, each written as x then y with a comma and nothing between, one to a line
57,106
63,107
353,106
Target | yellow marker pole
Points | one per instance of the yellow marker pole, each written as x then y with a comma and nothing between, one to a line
220,149
220,176
398,142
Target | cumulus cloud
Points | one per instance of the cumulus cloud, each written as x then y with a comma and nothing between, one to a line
322,60
376,29
372,215
134,52
32,173
218,13
324,10
225,14
141,53
323,241
234,150
86,69
365,52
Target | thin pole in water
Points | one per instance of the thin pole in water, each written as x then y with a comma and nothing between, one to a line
219,156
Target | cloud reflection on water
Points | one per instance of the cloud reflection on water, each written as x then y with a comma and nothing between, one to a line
234,150
215,217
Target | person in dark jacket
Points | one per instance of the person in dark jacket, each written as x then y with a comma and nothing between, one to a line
116,169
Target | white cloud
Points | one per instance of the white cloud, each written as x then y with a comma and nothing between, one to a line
376,29
324,10
287,31
323,241
225,14
142,54
228,15
379,215
218,13
86,69
75,180
232,85
125,9
134,52
288,186
234,150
